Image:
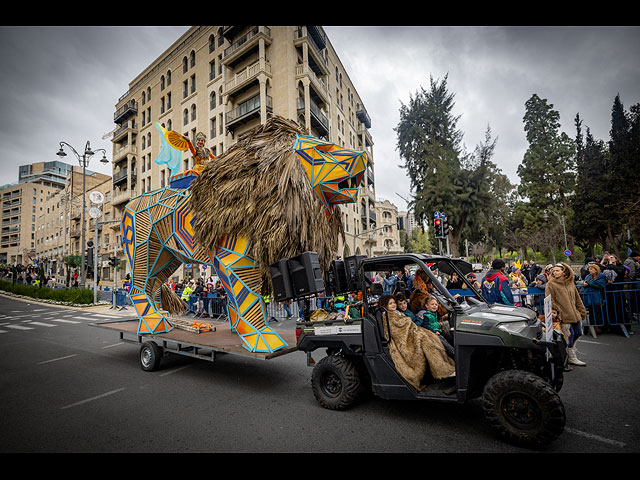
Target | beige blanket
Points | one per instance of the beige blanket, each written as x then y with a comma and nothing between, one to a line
414,349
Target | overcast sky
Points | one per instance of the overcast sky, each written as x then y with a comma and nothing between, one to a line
62,84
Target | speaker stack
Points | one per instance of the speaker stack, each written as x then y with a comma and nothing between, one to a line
299,276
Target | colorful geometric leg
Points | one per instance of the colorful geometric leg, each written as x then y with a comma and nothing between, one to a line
245,306
150,264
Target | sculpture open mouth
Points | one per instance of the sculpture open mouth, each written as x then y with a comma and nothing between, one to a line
335,173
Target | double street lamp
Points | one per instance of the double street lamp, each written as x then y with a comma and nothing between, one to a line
83,160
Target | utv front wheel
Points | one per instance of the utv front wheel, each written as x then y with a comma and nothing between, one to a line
523,408
335,382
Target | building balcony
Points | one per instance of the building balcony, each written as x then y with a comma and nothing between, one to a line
245,79
121,196
362,115
317,119
246,111
244,45
121,176
122,153
319,87
125,111
316,41
130,126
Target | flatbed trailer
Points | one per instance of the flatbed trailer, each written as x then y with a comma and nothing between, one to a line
203,345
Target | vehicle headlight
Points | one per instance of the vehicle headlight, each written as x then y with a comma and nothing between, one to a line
513,327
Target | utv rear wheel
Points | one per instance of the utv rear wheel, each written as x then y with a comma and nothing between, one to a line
524,408
335,382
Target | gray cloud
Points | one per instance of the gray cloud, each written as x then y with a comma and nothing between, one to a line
492,71
62,83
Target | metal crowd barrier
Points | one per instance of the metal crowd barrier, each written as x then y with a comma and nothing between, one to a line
618,305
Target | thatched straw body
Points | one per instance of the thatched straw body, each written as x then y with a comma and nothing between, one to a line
259,190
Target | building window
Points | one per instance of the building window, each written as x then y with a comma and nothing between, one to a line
185,65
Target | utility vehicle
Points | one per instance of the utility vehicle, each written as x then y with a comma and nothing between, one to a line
502,354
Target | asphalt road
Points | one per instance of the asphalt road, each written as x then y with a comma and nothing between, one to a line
68,387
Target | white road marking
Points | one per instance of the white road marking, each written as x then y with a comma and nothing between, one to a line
596,437
64,321
174,370
114,345
19,327
91,399
40,324
56,359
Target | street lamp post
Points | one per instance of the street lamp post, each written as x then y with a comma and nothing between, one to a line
564,230
83,160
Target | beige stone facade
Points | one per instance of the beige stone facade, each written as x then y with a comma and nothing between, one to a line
22,205
59,224
224,80
388,236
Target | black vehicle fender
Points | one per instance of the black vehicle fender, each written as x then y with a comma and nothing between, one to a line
349,344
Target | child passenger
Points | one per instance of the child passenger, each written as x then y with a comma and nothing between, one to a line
403,306
431,321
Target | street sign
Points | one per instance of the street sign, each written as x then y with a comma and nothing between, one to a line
95,212
96,197
567,253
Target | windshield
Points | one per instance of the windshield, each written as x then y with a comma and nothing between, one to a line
431,274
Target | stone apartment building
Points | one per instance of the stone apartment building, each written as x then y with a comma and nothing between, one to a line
224,80
22,205
58,233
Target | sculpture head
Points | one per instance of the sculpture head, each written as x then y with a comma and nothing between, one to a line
335,173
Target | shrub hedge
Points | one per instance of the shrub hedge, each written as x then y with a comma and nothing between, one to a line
70,295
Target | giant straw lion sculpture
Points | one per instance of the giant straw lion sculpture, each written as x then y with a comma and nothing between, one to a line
272,195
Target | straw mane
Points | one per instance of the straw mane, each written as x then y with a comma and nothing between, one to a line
259,190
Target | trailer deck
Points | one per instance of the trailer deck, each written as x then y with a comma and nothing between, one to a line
203,345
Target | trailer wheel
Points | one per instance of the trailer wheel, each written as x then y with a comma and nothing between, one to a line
523,408
335,382
150,355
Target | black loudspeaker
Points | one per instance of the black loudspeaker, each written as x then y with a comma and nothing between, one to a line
338,277
351,265
306,274
281,281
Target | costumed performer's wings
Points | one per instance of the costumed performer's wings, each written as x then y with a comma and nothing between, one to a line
172,146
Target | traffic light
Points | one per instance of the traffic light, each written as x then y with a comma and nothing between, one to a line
114,261
437,227
445,227
89,259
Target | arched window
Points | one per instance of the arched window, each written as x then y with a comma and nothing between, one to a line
193,112
212,101
192,56
162,82
168,77
185,65
185,117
